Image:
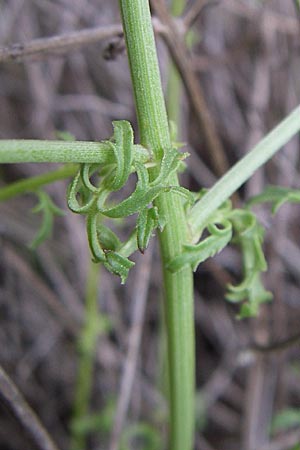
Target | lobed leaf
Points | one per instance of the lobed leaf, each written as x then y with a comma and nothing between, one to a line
143,195
85,197
249,236
48,210
277,196
169,164
210,246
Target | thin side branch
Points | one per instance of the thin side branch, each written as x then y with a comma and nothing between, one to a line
16,403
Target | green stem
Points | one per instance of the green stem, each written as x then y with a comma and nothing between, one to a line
18,151
174,89
243,170
33,183
153,125
173,104
87,344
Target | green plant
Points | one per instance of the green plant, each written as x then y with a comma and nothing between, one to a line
95,324
180,217
286,419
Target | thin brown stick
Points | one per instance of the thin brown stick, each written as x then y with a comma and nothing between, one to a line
41,48
283,442
16,403
58,45
51,300
70,320
276,347
126,386
179,55
279,22
192,13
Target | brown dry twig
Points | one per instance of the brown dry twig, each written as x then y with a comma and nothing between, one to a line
134,340
279,22
55,45
16,403
192,13
179,54
283,442
275,347
58,45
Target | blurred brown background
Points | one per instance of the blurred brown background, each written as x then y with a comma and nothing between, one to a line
246,58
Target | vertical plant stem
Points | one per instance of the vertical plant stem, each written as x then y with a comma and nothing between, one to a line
173,104
174,90
87,345
154,132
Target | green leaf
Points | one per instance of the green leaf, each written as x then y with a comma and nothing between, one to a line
138,200
277,196
142,154
76,190
210,246
98,422
249,234
143,195
65,136
147,222
183,192
118,265
173,136
215,217
104,245
85,196
93,237
48,210
169,164
107,238
285,419
101,238
122,148
86,171
97,325
148,437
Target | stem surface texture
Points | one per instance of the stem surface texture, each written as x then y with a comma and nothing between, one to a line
154,132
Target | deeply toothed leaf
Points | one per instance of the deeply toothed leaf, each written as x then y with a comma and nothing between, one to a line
48,210
277,196
249,236
210,246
